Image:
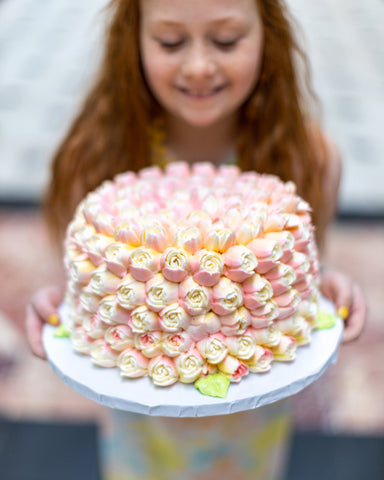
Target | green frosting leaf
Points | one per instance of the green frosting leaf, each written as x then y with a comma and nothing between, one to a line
325,320
214,385
62,331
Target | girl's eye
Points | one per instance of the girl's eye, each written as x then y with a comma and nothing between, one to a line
171,45
226,44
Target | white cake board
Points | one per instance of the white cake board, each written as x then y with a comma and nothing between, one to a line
105,386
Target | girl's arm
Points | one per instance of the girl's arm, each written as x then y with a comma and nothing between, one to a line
344,292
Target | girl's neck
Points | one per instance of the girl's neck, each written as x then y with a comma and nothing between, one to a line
215,144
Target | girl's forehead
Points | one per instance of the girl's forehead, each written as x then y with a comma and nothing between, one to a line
185,12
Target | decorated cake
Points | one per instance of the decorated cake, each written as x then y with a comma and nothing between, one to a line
180,273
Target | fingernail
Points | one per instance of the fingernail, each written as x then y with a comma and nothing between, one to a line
343,312
53,320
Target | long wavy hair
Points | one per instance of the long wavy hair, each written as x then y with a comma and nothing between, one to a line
110,133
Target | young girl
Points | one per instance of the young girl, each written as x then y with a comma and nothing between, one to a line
201,80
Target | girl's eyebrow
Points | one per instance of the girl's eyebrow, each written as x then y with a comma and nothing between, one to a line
217,21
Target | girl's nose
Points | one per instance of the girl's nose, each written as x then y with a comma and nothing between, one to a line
198,62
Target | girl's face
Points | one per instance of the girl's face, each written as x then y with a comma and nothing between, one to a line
201,58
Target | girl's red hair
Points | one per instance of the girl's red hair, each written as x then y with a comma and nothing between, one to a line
111,132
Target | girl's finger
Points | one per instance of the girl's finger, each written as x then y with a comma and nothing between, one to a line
355,322
34,327
45,303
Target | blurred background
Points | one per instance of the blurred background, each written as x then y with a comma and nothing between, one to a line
48,52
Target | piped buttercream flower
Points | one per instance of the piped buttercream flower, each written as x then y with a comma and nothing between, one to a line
213,348
265,315
248,231
176,343
160,292
94,247
128,233
207,267
236,323
281,278
203,325
111,313
132,363
130,293
103,223
173,318
189,366
226,297
117,258
82,271
287,303
102,354
267,337
240,263
233,368
287,242
256,291
268,253
143,320
144,263
104,282
162,371
291,325
149,343
89,300
93,325
188,238
219,240
242,346
119,337
155,237
285,350
194,298
81,341
261,360
174,264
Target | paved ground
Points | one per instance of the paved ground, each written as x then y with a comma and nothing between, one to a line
48,51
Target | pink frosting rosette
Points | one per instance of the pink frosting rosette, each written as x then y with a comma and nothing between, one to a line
132,363
173,318
119,337
117,258
82,271
268,253
240,263
160,292
89,300
162,371
287,303
285,350
256,291
261,360
203,325
128,233
219,239
236,323
213,348
178,169
291,325
143,320
144,263
188,238
303,336
242,346
267,337
130,293
93,325
233,368
81,341
301,264
264,316
281,278
227,297
174,264
176,343
287,242
189,366
104,282
102,354
103,223
194,298
207,267
155,237
94,247
150,343
111,312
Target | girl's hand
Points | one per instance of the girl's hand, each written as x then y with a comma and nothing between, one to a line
349,301
42,309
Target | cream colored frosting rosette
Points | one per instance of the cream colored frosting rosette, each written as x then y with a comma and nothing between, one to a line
177,274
